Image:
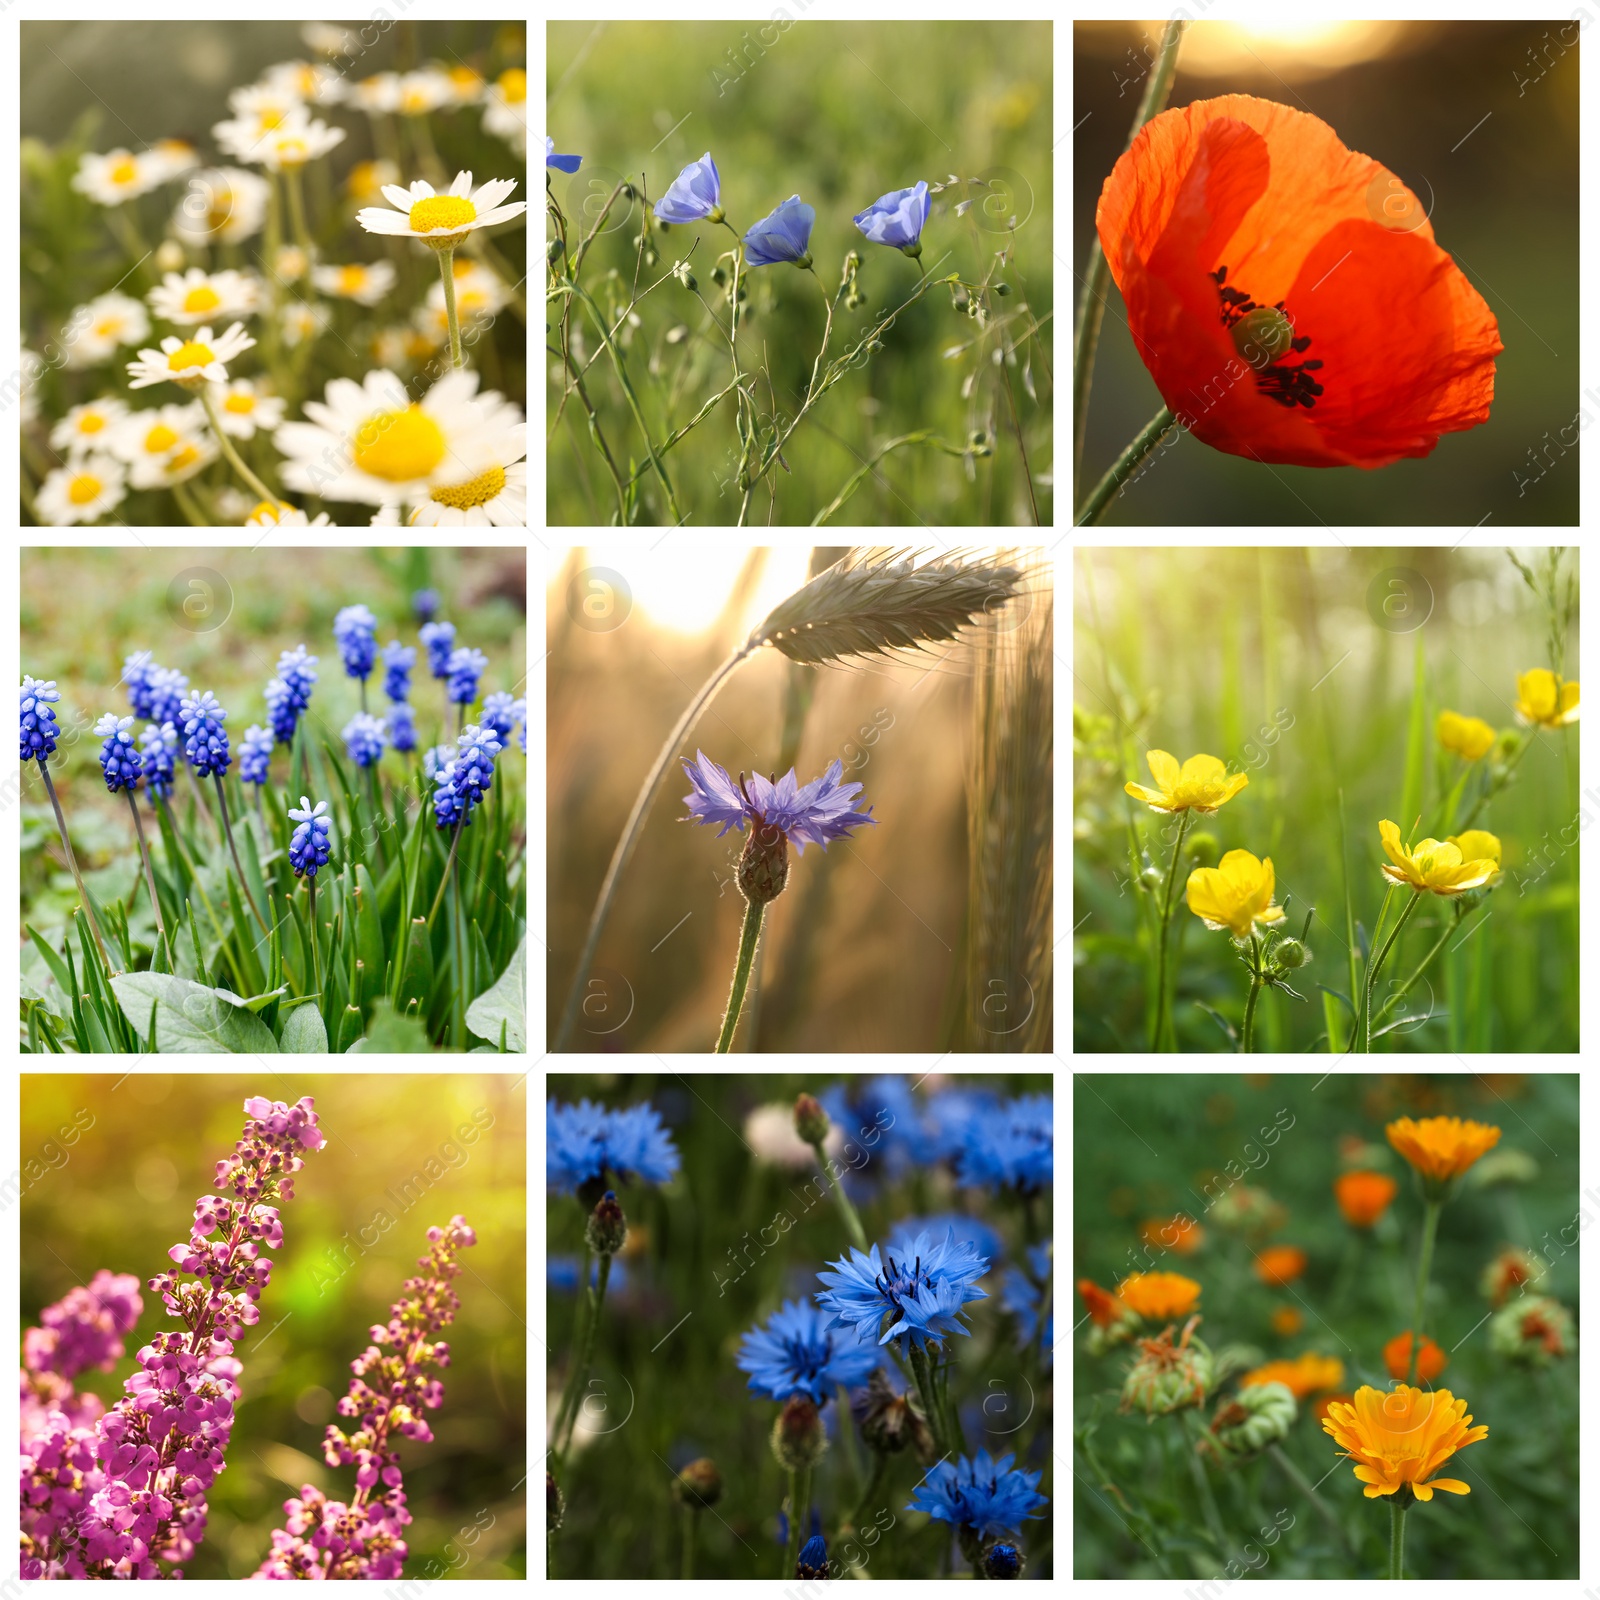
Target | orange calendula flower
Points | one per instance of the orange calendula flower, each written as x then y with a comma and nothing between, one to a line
1202,783
1441,1148
1432,864
1287,1320
1431,1360
1471,738
1159,1296
1403,1438
1179,1233
1250,247
1279,1264
1103,1307
1320,1408
1363,1196
1235,894
1302,1376
1546,700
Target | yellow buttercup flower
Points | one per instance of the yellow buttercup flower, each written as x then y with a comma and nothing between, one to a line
1434,865
1202,783
1471,738
1476,844
1545,699
1235,894
1403,1438
1442,1148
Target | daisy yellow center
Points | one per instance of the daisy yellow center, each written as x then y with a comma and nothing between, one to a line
399,445
185,457
442,211
107,326
203,298
514,84
91,422
160,439
352,279
84,488
241,405
464,78
415,100
192,354
267,513
480,491
125,171
271,120
292,152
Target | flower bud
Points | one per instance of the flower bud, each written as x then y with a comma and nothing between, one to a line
1003,1559
1152,879
607,1226
1290,954
1002,289
1258,1415
798,1437
554,250
813,1561
1531,1330
810,1120
1203,848
698,1485
719,276
764,864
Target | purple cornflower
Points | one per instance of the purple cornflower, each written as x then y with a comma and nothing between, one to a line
783,235
205,743
289,694
439,639
695,194
499,713
913,1295
425,604
822,810
897,219
355,631
394,1384
464,668
160,749
398,660
255,754
309,847
119,761
167,687
988,1496
797,1352
136,670
461,783
401,727
39,729
560,163
364,739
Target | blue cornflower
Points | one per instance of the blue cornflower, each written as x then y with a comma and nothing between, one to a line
980,1493
355,631
136,670
363,739
309,847
696,193
783,235
425,604
585,1141
897,219
462,782
813,1562
799,1352
969,1230
119,761
398,660
464,668
500,713
39,730
401,728
821,811
878,1116
945,1118
160,749
914,1295
167,686
205,743
1012,1145
255,754
561,1274
560,163
439,639
1019,1296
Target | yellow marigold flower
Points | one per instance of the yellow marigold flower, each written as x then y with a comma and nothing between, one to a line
1471,738
1545,699
1442,1148
1432,864
1303,1376
1160,1296
1202,783
1363,1196
1234,894
1403,1438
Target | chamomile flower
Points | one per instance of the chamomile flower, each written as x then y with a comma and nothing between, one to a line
243,409
328,39
173,157
385,517
81,491
299,138
466,85
197,296
279,515
366,179
226,203
365,282
96,330
118,175
88,427
422,214
300,322
505,112
377,95
149,437
307,80
424,91
497,497
292,264
190,362
479,294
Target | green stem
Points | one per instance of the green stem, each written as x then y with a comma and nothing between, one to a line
1397,1540
930,1407
225,444
1161,935
297,211
150,879
233,850
880,1466
1405,988
597,1299
749,938
791,1553
445,880
1104,492
1318,1504
72,861
852,1221
691,1525
1202,1484
1250,1015
1430,1229
1505,777
579,1318
186,504
447,273
316,953
1377,966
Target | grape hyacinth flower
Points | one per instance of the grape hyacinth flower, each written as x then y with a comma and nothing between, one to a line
979,1494
499,714
1011,1146
897,219
398,660
584,1142
439,639
309,846
695,194
364,739
911,1297
159,746
560,163
355,630
799,1351
425,604
167,686
401,727
205,742
782,235
462,782
394,1384
465,667
435,759
255,754
136,669
289,694
39,728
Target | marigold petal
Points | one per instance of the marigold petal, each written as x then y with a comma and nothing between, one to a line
1450,1485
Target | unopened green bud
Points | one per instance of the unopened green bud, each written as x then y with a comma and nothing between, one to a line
607,1226
1003,1558
719,276
1002,289
798,1437
1151,878
1290,954
555,250
698,1485
810,1120
1203,848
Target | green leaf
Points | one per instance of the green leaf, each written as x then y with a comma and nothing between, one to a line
303,1033
393,1033
189,1018
506,1002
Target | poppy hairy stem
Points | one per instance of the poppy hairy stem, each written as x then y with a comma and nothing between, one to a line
1159,1026
1104,492
1430,1231
749,938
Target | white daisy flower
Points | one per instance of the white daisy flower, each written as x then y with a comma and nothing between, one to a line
424,91
422,214
466,86
366,179
173,158
505,109
190,362
164,445
328,39
197,296
82,491
277,143
385,517
88,427
479,293
225,203
365,282
306,80
117,176
244,410
292,264
278,515
376,95
95,330
233,505
497,498
29,367
301,321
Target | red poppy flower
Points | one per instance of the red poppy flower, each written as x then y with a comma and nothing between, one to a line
1287,294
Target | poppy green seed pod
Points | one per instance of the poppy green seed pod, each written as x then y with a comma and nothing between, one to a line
798,1437
1255,1417
607,1227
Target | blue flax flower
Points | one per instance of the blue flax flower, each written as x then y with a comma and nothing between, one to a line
167,686
813,1561
439,639
205,743
980,1493
696,194
160,749
355,631
255,754
500,713
425,605
585,1141
784,235
39,730
464,668
462,782
897,219
401,727
363,739
136,670
309,847
799,1352
119,761
913,1295
822,810
560,163
1019,1296
398,660
1011,1145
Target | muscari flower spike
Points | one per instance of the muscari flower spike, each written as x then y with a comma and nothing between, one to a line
159,746
205,743
289,694
255,754
464,668
39,729
462,782
783,235
309,846
136,670
167,689
695,195
439,639
119,761
425,604
355,630
500,713
401,727
897,219
364,739
799,1351
398,660
913,1298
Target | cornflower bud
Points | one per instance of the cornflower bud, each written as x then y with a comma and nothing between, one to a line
607,1226
699,1484
810,1120
798,1437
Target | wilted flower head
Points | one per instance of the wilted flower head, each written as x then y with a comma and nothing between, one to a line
1531,1330
1254,1418
1509,1272
1169,1375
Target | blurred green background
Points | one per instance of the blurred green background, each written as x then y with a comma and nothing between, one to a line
1152,1146
840,113
126,1191
1313,673
1504,204
696,1281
